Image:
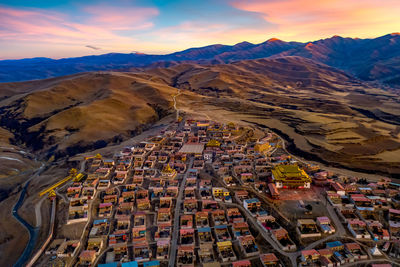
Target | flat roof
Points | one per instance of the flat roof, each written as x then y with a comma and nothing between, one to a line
192,148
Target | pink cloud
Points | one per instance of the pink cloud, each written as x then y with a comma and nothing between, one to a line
44,26
121,18
309,19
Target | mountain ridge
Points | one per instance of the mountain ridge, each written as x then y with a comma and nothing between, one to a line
376,59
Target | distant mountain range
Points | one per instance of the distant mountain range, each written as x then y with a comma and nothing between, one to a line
368,59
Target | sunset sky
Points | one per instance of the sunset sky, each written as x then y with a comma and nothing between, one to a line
62,28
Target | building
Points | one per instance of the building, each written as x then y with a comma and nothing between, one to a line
325,224
269,259
252,204
309,256
290,176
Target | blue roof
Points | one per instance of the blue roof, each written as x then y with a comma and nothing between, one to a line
252,200
100,221
151,263
338,255
334,244
263,212
365,208
204,229
112,264
220,226
130,264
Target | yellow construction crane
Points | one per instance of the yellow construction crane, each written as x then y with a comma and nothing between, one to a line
72,174
52,194
98,156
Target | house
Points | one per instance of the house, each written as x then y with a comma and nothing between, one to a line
358,229
269,259
186,221
87,257
201,219
187,236
185,256
252,205
138,234
377,231
309,256
307,228
273,191
242,263
163,232
234,215
206,254
190,206
324,224
242,194
141,251
248,245
164,216
209,205
77,214
228,180
205,235
218,217
225,251
335,245
282,238
222,233
219,192
338,188
268,222
105,209
240,229
68,248
356,251
95,243
162,252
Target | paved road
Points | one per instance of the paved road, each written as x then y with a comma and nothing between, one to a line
174,97
38,212
175,233
50,235
33,232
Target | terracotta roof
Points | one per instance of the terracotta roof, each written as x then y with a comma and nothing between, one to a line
268,257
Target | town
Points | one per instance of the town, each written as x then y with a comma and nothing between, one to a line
203,193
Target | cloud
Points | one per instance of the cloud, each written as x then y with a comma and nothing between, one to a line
309,19
43,26
92,47
121,18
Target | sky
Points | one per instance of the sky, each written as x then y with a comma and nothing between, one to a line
72,28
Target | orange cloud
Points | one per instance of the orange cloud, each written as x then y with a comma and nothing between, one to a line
306,20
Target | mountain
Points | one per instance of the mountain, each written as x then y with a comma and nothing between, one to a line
323,112
368,59
68,115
